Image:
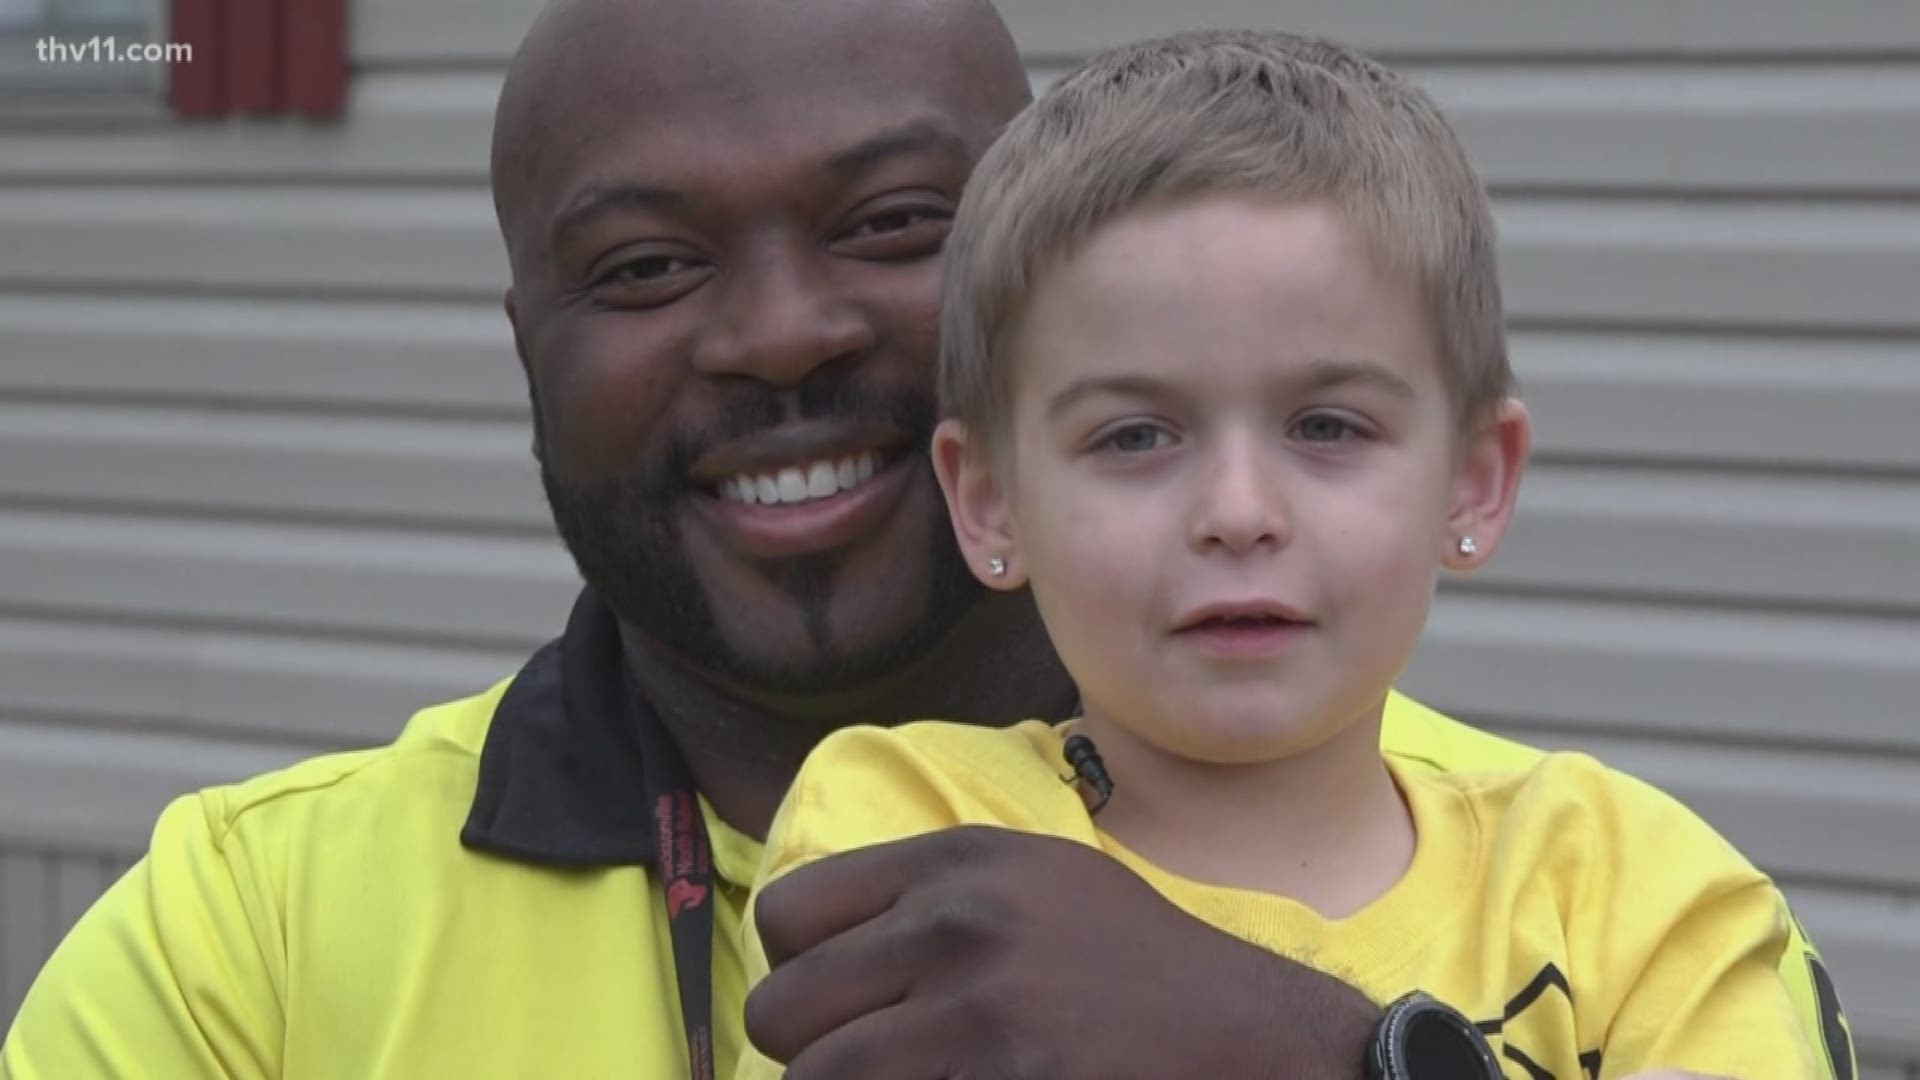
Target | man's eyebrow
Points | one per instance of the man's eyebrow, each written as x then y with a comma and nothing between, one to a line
914,137
608,198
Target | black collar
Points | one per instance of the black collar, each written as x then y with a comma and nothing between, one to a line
565,768
562,777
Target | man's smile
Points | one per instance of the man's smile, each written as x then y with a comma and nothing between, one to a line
807,507
795,484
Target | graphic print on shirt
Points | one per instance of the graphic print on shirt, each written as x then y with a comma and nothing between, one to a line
1536,1027
1836,1035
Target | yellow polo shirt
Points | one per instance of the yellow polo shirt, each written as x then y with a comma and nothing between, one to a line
325,922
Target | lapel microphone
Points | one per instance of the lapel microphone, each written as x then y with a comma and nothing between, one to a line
1084,759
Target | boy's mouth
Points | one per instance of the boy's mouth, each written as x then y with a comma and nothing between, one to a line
1239,622
1250,631
1243,615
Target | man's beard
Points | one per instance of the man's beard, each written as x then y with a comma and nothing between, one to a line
624,536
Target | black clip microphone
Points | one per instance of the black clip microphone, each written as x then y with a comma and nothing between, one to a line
1084,759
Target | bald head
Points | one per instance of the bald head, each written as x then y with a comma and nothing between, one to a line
588,69
725,220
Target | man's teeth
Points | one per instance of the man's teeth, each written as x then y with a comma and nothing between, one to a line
816,480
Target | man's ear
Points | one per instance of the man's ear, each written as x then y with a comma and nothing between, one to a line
1486,484
512,307
978,506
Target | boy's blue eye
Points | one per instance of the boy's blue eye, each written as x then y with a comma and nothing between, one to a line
1135,439
1325,427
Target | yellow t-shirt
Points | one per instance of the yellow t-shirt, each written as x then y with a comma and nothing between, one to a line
1593,925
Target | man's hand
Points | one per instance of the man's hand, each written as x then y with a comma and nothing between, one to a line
982,953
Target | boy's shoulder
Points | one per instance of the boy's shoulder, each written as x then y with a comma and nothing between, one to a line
1015,756
1417,735
930,774
1547,800
1568,810
1024,745
1562,781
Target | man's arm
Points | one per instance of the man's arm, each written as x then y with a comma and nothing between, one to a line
163,977
897,950
990,952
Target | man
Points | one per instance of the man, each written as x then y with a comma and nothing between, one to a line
724,222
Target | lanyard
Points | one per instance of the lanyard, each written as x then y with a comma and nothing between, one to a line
684,862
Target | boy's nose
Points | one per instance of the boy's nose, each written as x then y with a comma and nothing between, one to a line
1241,506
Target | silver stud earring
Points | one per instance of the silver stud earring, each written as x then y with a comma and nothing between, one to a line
1468,547
997,566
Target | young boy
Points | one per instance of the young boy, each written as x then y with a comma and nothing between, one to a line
1228,389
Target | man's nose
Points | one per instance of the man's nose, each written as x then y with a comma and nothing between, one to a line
1241,502
779,320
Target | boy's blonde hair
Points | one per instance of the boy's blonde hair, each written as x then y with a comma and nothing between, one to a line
1261,113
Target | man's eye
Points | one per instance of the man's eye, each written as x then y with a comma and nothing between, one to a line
1137,439
649,268
898,220
647,281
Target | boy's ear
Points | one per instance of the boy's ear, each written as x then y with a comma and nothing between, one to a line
1487,484
977,505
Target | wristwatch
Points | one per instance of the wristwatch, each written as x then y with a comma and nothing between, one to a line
1423,1038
